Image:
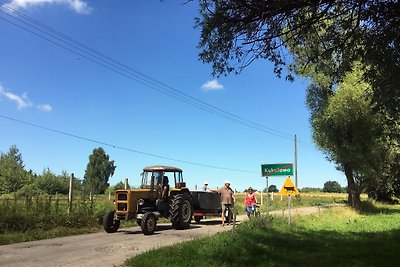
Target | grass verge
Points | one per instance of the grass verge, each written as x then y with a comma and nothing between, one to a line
336,237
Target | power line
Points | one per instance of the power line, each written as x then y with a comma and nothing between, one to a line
68,43
120,147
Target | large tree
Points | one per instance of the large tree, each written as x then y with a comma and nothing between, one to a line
234,33
98,171
350,133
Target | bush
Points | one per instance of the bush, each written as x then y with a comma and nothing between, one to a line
311,190
332,187
47,212
29,190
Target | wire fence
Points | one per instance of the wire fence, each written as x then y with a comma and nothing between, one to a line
48,212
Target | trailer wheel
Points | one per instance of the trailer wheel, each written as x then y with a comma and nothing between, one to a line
198,218
110,225
181,211
148,224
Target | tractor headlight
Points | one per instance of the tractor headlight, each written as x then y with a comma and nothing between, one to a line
141,202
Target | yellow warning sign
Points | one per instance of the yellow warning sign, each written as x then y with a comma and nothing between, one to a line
289,188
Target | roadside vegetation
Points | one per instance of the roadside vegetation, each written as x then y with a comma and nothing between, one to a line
34,206
34,218
26,219
339,236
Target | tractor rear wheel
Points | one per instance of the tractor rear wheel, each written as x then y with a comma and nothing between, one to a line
181,211
148,224
110,225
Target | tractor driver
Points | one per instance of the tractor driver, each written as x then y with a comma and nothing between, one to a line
165,187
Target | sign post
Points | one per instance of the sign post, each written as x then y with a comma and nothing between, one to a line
266,196
278,169
289,189
289,205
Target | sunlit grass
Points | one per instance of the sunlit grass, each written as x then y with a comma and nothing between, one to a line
336,237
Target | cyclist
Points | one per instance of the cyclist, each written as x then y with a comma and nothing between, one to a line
250,201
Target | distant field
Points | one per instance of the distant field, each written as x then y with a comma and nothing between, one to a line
302,200
331,195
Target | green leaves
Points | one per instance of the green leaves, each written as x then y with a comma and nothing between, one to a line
98,171
12,173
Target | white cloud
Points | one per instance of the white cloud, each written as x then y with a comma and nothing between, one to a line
44,107
212,85
22,101
78,6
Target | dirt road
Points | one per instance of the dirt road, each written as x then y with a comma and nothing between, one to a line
102,249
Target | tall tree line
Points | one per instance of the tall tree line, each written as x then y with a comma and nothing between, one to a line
15,179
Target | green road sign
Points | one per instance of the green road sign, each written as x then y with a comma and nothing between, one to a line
277,169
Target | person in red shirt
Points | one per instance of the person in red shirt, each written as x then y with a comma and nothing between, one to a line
250,201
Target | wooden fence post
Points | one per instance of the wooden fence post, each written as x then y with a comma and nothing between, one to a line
71,182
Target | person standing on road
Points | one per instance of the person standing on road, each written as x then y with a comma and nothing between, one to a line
227,198
250,201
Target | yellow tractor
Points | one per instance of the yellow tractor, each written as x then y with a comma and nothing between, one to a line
155,198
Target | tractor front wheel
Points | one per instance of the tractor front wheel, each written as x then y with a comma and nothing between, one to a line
148,223
110,225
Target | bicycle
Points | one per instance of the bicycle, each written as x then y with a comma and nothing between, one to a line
255,210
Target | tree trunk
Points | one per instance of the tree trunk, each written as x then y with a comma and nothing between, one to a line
352,189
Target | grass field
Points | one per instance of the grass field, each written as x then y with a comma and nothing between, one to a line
302,200
336,237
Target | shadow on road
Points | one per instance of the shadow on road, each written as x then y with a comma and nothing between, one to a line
164,227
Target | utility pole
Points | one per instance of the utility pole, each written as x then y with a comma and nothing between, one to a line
295,161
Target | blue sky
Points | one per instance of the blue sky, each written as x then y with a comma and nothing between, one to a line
44,84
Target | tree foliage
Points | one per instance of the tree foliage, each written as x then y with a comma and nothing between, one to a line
332,187
385,182
12,171
310,190
98,171
273,188
51,183
120,185
234,33
15,179
352,134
